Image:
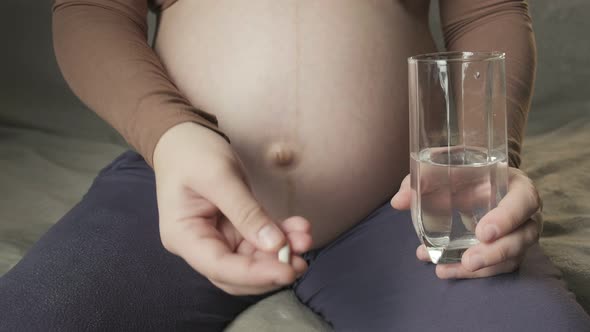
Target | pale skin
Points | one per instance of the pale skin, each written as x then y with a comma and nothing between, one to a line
303,160
212,220
505,233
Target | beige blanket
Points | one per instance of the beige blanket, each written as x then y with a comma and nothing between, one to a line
559,163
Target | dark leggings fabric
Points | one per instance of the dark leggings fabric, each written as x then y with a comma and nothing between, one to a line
102,268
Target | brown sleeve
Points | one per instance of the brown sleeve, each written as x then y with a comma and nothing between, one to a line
498,25
101,47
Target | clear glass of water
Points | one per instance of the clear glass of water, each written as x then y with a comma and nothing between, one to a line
458,149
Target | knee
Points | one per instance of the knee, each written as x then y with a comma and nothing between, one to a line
551,307
37,300
522,304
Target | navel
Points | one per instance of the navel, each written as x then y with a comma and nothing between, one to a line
282,155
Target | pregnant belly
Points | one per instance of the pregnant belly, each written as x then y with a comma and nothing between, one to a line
312,94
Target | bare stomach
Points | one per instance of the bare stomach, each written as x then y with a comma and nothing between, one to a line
312,94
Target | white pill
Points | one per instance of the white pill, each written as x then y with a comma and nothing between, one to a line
285,254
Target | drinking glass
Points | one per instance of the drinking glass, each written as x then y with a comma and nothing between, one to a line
458,149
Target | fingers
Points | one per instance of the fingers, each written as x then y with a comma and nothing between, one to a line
233,197
298,231
296,223
458,271
484,255
239,288
245,271
242,290
403,198
207,252
236,289
422,254
299,242
506,248
488,259
297,262
519,204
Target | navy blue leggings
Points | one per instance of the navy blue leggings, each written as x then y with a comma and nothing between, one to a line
102,268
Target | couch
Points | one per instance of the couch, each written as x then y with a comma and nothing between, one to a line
52,146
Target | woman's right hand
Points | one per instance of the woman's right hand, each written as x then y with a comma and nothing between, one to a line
210,218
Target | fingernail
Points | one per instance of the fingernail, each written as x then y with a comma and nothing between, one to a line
475,262
490,232
270,236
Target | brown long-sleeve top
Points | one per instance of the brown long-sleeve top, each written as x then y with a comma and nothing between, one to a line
103,52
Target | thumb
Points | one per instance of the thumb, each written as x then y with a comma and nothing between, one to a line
402,199
236,201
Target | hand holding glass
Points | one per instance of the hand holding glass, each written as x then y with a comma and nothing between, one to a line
458,149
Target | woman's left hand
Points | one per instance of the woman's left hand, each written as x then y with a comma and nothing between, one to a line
505,233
